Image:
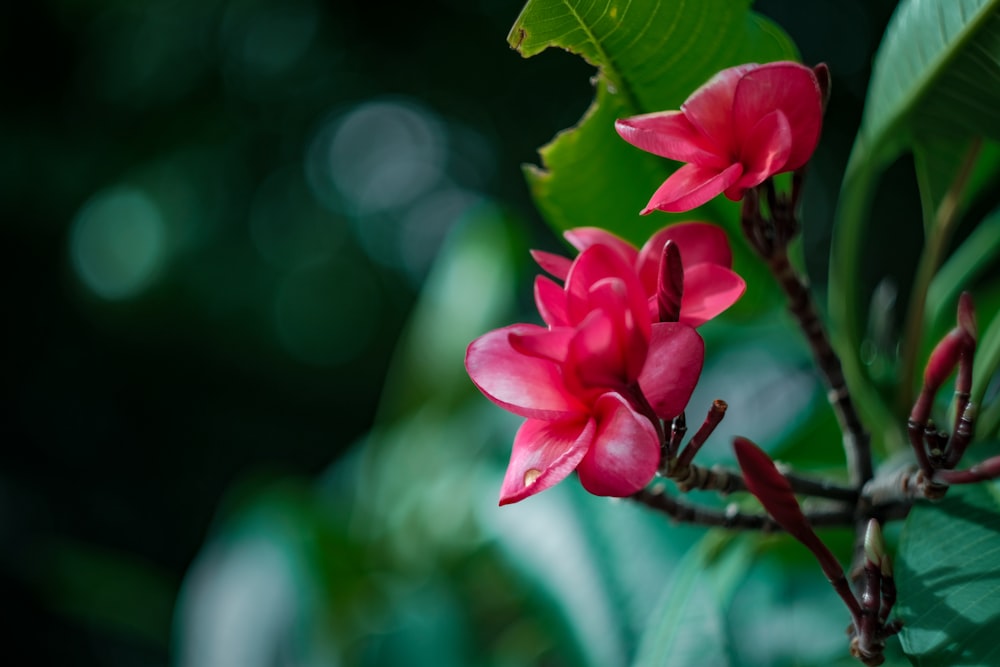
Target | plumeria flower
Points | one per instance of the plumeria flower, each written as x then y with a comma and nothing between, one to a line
593,386
745,125
710,286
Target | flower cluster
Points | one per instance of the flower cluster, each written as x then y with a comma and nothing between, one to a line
746,124
611,360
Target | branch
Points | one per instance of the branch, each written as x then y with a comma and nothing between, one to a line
726,481
769,237
655,497
857,447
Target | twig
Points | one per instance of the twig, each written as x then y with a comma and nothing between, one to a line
727,480
656,498
857,447
769,237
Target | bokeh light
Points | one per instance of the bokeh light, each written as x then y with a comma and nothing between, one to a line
117,242
380,155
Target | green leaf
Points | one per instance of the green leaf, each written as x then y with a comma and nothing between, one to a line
977,255
945,88
688,626
935,85
949,584
650,55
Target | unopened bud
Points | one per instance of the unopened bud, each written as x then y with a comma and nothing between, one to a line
670,284
967,315
886,566
874,544
944,358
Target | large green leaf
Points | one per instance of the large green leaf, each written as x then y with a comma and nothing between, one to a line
949,583
974,257
688,627
935,86
650,55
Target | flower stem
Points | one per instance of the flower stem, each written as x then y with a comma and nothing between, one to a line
857,447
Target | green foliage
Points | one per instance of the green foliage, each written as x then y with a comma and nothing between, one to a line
650,55
937,101
949,586
987,363
688,627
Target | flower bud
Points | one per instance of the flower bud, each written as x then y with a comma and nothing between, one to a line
874,544
670,283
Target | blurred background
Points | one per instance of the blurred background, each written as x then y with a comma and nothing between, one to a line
245,244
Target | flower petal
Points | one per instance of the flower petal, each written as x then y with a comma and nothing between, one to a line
671,135
697,242
691,186
673,365
551,263
552,344
765,150
710,107
625,452
550,300
596,357
526,385
582,238
709,289
593,265
544,454
790,88
609,348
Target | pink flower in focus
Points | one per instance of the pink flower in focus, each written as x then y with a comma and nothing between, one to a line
591,386
710,284
742,127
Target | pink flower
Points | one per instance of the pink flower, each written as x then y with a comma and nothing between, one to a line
710,285
592,386
736,131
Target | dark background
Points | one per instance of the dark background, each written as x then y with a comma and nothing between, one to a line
248,347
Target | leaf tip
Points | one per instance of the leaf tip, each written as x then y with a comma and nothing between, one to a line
516,38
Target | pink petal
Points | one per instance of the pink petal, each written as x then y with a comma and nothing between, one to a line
525,385
544,454
593,265
556,265
609,348
582,238
671,135
710,108
691,186
673,365
697,241
709,289
625,452
596,358
790,88
550,300
765,150
550,344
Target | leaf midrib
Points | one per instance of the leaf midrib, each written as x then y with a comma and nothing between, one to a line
930,77
606,67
